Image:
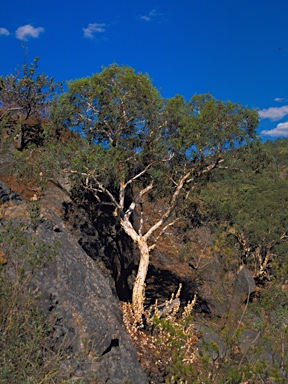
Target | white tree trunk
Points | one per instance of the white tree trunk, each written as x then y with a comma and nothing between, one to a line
138,293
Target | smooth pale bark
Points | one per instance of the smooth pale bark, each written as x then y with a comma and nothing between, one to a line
138,293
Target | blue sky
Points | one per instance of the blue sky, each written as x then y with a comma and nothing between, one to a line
235,49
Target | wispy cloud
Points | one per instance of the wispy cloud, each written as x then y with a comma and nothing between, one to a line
93,28
280,130
28,30
273,113
151,15
4,32
279,99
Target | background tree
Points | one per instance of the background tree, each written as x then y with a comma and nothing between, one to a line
247,209
140,145
27,93
25,99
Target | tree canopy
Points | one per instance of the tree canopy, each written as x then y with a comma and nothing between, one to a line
139,142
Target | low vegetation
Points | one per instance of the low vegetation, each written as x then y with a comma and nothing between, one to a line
26,352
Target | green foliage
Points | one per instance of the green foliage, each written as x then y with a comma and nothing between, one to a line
39,165
174,346
118,112
136,137
27,93
229,357
114,107
247,208
274,301
34,212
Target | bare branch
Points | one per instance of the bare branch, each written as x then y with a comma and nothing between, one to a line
137,200
107,193
100,187
161,233
138,175
177,191
171,179
141,220
171,206
207,169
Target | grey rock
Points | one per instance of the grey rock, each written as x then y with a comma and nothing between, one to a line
6,159
214,345
244,284
7,195
85,314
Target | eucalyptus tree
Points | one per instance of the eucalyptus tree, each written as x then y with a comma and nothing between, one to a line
25,100
27,93
141,145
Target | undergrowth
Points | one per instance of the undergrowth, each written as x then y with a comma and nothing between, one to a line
171,350
165,341
27,353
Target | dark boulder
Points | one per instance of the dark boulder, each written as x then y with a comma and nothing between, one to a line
8,196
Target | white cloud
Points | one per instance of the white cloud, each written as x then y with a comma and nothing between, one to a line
150,15
274,113
28,30
92,29
279,99
4,31
280,130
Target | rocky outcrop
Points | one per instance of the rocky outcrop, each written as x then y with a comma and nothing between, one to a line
244,286
77,299
102,238
9,196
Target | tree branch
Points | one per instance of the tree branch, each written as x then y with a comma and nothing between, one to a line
138,175
180,185
171,206
141,220
207,169
137,200
161,233
100,187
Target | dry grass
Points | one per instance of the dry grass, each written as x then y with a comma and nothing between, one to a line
166,343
